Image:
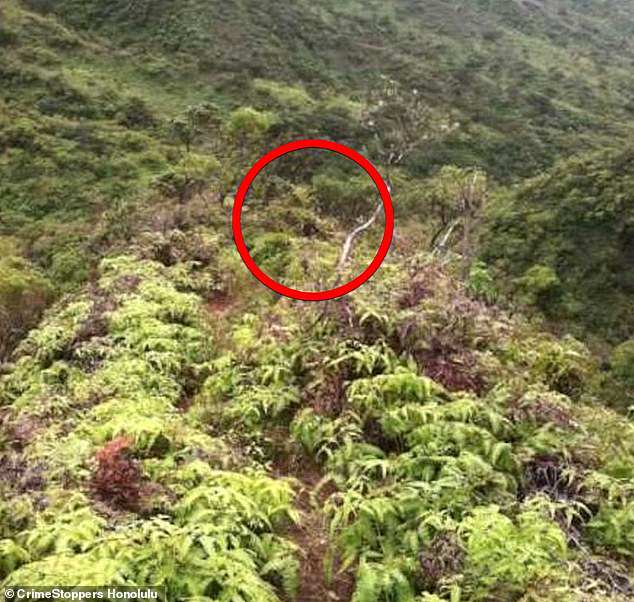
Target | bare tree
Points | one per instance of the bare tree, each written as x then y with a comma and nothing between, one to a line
401,122
348,243
456,198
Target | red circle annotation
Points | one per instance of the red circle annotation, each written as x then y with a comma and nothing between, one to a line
343,289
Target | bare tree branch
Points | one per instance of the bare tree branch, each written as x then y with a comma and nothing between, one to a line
349,242
346,250
440,248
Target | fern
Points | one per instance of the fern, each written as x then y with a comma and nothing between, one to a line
363,360
252,406
613,528
70,571
320,436
280,563
370,395
384,582
12,556
68,526
507,557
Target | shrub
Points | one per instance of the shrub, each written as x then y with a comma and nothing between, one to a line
273,252
563,366
481,283
613,528
622,363
293,97
540,286
504,557
117,478
135,113
247,123
24,294
189,177
347,198
69,268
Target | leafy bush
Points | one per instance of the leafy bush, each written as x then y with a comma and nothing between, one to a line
117,478
540,286
481,284
247,124
612,527
350,199
189,177
622,363
273,252
503,559
293,97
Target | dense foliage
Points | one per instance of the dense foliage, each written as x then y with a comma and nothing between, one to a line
464,455
110,482
437,436
104,108
567,240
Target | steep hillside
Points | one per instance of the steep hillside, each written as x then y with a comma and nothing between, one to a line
75,140
567,240
100,101
166,420
527,81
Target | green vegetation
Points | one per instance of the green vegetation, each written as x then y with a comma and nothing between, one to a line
467,463
95,394
565,238
457,430
24,294
103,109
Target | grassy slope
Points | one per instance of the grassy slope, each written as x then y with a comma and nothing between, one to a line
89,90
82,129
527,84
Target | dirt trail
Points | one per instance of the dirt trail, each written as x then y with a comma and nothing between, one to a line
311,534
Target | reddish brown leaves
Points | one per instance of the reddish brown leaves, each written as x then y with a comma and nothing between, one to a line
454,373
117,479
